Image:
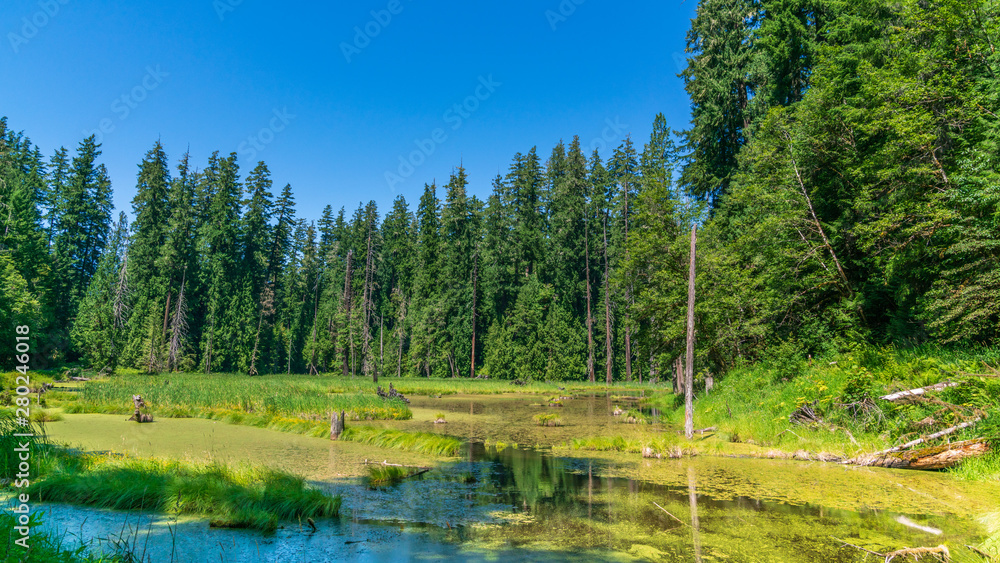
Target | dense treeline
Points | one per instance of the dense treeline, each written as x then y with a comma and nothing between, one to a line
841,166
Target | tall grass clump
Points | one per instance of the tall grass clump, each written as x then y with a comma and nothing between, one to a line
606,444
10,424
240,497
420,442
548,420
386,475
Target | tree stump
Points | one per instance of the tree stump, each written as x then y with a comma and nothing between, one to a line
138,416
336,425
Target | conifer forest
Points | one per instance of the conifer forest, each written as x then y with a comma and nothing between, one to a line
841,167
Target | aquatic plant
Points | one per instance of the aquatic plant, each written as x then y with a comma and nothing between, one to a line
386,475
606,444
420,442
633,416
237,497
548,420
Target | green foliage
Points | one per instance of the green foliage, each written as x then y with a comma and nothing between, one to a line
386,475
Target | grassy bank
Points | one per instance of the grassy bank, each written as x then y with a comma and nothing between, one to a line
289,403
241,497
833,405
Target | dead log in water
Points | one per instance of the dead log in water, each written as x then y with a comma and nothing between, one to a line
936,457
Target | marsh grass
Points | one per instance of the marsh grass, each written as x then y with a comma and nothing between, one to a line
449,386
236,497
9,443
633,416
548,420
420,442
607,444
297,404
386,475
45,548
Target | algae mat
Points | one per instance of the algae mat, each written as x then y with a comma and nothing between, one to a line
201,440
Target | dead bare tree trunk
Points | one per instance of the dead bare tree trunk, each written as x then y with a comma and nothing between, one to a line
590,316
312,344
179,327
607,304
689,375
475,280
347,305
366,354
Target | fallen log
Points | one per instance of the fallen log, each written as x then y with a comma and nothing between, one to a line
933,436
936,457
940,552
918,391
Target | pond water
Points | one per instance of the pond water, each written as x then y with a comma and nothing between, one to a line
538,503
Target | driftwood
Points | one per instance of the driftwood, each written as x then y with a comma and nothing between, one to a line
671,515
336,425
918,391
940,552
937,457
391,394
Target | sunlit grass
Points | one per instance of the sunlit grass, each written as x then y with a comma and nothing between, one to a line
297,404
420,442
753,404
548,420
240,497
385,475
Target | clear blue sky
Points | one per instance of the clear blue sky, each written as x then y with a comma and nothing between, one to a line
332,111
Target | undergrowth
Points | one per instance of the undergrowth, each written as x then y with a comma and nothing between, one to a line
833,404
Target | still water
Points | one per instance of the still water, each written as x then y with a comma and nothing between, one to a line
536,503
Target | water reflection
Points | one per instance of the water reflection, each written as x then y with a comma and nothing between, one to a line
514,504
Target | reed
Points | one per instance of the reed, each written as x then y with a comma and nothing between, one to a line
420,442
236,497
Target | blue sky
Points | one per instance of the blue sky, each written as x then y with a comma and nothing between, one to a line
351,102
